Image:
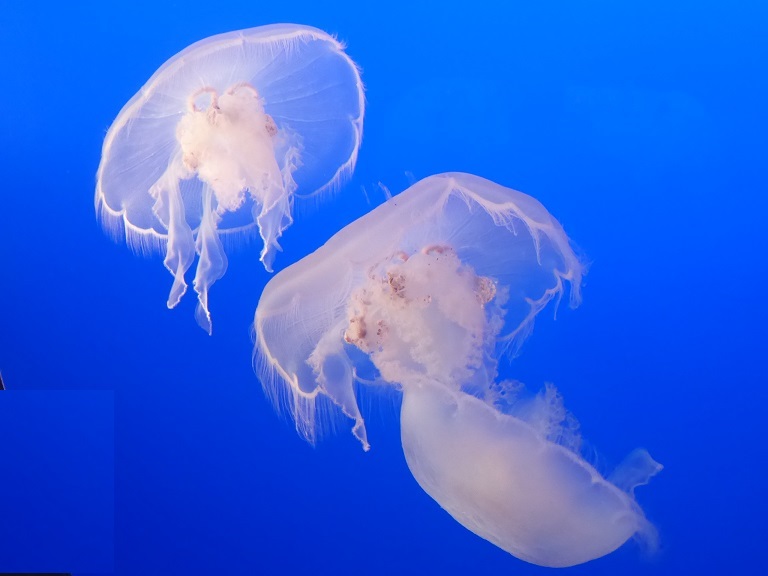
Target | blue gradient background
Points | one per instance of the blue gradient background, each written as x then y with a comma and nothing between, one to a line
640,125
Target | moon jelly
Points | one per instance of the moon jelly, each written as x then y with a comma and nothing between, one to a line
426,294
221,140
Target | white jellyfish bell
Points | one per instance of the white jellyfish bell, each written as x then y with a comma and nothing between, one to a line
220,142
425,294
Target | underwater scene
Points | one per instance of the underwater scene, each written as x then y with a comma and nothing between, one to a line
383,288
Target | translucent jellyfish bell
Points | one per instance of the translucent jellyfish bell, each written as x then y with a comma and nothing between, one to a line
510,481
222,139
425,294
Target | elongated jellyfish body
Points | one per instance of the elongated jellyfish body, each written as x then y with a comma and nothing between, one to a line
426,294
502,478
221,142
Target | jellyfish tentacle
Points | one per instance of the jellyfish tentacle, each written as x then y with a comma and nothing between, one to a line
181,249
213,259
169,208
275,214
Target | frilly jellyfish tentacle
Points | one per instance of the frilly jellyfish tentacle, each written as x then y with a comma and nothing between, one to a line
635,470
213,260
517,336
169,208
275,215
336,377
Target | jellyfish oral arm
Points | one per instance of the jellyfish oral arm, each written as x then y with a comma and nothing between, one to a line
228,141
182,244
180,248
276,209
213,259
418,304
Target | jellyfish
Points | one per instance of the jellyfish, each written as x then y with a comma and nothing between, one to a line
426,295
222,140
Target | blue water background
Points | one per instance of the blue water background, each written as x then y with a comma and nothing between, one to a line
640,125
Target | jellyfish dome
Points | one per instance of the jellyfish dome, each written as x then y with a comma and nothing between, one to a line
222,140
426,294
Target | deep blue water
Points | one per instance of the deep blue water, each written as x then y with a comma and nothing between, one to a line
640,125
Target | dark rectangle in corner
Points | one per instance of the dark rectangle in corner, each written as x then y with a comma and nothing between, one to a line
57,468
